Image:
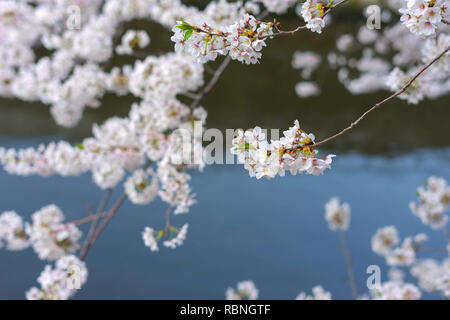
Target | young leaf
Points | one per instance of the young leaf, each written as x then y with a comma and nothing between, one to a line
188,34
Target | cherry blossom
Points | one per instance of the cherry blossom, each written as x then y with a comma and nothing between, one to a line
337,215
293,153
318,293
242,40
131,40
246,290
396,291
433,203
313,12
423,17
12,231
55,283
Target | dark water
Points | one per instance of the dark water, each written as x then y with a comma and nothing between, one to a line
272,232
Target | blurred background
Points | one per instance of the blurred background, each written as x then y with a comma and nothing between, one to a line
270,231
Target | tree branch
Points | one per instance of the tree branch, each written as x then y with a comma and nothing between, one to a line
167,217
379,104
280,32
87,241
211,83
348,261
108,218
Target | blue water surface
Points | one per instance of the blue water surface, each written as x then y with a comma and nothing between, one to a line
270,231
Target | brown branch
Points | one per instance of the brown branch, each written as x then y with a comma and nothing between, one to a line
348,261
101,209
167,217
190,95
211,83
108,218
109,215
280,32
89,218
379,104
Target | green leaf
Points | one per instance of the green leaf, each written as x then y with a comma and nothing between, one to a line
184,27
188,34
80,146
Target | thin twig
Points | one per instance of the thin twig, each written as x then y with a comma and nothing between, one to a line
89,218
87,241
190,95
209,69
280,32
167,217
379,104
110,214
348,261
212,82
334,7
108,218
432,249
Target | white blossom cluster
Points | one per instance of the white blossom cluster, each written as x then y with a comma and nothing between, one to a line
278,6
433,276
313,11
242,40
393,290
164,77
61,282
306,62
318,293
386,243
142,186
433,83
131,40
176,237
49,236
305,89
292,153
390,57
118,145
337,215
384,240
245,290
12,232
423,17
397,79
71,76
175,189
433,201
